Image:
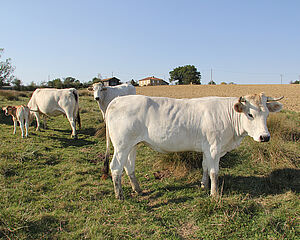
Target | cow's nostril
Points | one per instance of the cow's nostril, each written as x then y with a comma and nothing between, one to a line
97,98
264,138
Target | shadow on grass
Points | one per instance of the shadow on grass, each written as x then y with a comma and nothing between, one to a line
68,141
86,131
47,227
5,119
278,182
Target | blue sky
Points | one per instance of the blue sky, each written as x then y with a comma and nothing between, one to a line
245,42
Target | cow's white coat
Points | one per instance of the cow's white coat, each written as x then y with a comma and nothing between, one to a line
212,125
54,102
104,95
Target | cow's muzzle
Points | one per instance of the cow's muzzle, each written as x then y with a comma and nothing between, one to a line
264,138
97,98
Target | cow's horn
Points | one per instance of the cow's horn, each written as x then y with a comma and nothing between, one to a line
270,99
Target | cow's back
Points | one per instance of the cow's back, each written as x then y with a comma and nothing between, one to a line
52,101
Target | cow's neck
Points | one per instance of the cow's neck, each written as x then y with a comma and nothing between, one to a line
237,124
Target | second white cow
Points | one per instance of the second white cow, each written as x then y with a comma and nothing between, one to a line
104,95
54,102
212,125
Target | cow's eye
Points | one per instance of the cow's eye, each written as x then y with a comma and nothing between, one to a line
250,115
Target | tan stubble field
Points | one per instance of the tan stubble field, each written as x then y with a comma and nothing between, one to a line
291,92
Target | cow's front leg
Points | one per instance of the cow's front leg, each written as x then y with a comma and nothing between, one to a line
204,182
212,160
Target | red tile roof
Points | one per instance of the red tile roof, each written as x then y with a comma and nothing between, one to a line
151,78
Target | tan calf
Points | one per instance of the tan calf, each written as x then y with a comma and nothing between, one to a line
19,113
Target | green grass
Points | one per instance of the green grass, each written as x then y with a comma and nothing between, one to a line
51,187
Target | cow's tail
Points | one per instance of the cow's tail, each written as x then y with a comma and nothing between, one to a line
105,168
77,108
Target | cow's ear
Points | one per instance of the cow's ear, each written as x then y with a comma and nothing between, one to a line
274,106
239,107
90,89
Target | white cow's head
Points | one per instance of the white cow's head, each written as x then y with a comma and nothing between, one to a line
255,109
98,89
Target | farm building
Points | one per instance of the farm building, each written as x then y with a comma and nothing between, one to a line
111,81
152,81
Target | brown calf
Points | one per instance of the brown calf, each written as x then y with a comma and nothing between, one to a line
19,113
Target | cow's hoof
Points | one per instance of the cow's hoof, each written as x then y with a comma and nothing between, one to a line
120,197
203,186
74,136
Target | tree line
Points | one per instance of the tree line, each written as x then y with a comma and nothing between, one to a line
181,75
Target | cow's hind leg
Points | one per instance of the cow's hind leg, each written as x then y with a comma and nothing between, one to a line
26,126
130,170
22,127
73,125
38,121
116,166
15,125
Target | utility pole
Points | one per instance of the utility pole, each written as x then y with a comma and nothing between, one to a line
281,78
211,73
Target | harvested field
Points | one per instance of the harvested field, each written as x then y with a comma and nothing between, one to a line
291,92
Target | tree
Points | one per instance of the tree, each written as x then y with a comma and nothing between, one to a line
70,82
17,84
211,82
185,75
6,70
134,83
96,80
56,83
295,82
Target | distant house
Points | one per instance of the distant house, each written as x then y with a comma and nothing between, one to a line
152,81
111,81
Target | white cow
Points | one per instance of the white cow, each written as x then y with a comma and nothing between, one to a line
54,102
21,114
212,125
104,95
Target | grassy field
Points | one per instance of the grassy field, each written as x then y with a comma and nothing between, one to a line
51,187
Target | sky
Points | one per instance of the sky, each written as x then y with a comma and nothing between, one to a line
245,42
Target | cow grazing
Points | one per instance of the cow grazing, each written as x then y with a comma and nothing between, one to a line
212,125
104,95
21,114
54,102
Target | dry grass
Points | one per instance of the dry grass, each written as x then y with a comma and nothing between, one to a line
291,92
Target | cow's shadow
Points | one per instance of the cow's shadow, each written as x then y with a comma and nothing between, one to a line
85,131
68,141
5,119
277,182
